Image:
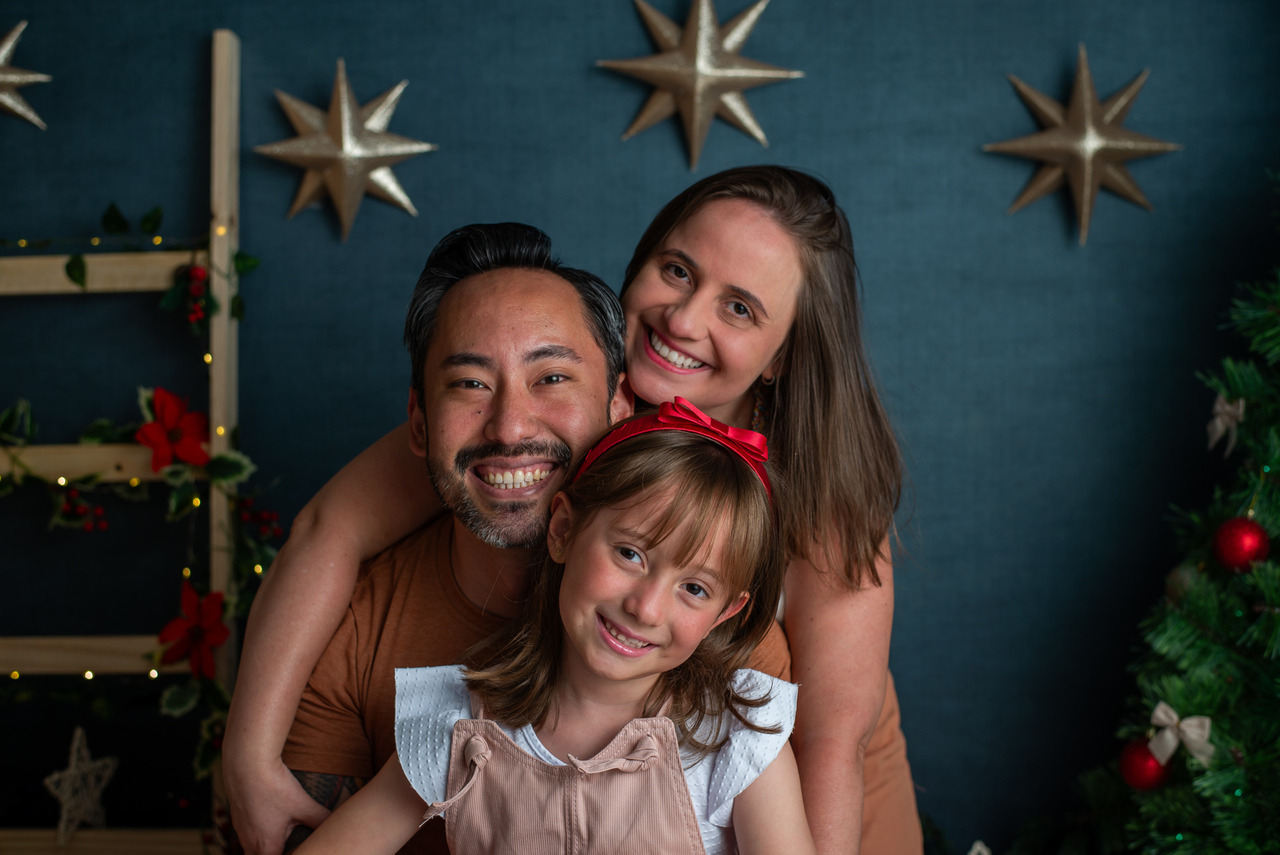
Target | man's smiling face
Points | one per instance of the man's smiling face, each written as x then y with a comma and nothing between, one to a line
514,389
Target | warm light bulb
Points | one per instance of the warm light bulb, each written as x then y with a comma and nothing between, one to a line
133,482
22,241
94,241
220,430
208,359
195,502
13,675
88,675
153,673
186,572
220,230
157,240
257,568
62,482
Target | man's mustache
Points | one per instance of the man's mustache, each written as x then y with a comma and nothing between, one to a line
558,452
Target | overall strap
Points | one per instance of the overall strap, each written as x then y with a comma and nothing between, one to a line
476,754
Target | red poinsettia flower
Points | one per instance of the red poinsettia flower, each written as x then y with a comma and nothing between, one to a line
196,631
175,432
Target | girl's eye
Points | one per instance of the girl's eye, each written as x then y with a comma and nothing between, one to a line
629,554
697,590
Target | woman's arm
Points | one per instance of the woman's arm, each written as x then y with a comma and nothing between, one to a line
768,816
375,500
381,817
840,658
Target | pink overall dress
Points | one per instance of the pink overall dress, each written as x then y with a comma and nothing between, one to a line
631,797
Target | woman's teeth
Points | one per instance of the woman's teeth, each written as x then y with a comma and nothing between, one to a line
679,360
514,480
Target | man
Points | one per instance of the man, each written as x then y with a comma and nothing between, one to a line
516,369
516,363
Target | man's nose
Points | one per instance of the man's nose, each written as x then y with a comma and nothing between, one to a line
512,417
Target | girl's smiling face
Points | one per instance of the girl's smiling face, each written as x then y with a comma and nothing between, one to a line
630,611
711,309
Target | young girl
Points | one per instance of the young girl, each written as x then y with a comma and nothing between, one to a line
615,718
742,296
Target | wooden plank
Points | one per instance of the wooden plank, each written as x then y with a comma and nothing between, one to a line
75,654
224,240
113,463
107,272
103,841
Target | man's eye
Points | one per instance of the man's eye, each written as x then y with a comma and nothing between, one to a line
468,384
552,379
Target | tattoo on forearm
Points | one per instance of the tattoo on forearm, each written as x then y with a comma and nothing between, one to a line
328,790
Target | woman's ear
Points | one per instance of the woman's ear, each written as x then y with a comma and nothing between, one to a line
559,527
732,609
417,425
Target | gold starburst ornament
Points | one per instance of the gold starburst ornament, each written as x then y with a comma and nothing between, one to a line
699,72
1083,144
346,152
11,78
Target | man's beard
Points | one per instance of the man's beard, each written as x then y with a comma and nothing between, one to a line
510,524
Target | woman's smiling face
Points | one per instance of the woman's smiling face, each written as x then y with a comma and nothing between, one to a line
711,308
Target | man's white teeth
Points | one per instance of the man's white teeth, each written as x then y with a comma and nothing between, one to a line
514,480
628,641
679,360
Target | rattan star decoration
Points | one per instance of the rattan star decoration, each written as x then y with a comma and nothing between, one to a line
699,72
79,787
347,151
1082,144
11,78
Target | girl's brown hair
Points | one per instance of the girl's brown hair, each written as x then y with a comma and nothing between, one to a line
708,485
828,432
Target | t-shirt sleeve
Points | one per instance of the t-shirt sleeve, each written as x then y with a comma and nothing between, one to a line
748,752
429,702
328,733
772,656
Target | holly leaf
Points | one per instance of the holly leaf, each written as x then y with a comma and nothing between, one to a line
113,221
179,699
145,396
245,263
102,431
181,500
16,426
175,296
76,270
229,467
152,219
237,308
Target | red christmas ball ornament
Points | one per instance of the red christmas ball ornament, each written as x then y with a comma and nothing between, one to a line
1239,542
1139,767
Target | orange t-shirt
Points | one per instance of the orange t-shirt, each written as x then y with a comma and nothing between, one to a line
407,611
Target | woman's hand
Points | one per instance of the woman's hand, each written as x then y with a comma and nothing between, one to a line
266,804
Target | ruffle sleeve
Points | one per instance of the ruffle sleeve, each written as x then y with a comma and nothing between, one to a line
429,701
748,752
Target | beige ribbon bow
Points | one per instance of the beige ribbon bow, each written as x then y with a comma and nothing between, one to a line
1192,732
1227,416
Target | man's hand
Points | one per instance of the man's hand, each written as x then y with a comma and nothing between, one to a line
267,804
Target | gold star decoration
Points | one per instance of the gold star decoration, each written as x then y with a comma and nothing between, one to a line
1083,144
346,151
79,787
11,78
699,72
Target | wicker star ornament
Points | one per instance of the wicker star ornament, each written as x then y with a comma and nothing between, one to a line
698,71
11,78
79,787
346,152
1083,144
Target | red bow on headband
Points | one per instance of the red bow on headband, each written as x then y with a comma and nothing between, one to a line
684,416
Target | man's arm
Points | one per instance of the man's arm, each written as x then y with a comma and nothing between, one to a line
329,791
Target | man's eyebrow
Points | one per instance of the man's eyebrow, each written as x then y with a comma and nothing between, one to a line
552,351
467,359
738,291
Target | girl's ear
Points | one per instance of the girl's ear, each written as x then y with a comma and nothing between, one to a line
558,528
732,609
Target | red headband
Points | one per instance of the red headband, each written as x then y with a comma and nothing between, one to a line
682,415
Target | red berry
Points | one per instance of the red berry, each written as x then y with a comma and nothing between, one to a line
88,526
264,531
245,516
102,525
276,530
66,507
73,493
81,510
246,502
197,274
196,289
99,511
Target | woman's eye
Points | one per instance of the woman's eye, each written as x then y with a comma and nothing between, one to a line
740,310
678,271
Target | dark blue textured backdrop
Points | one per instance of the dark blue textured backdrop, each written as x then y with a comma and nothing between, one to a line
1044,393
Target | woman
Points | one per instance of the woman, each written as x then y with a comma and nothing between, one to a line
741,297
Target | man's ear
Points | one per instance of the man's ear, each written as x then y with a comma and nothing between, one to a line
732,609
417,426
623,405
558,528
